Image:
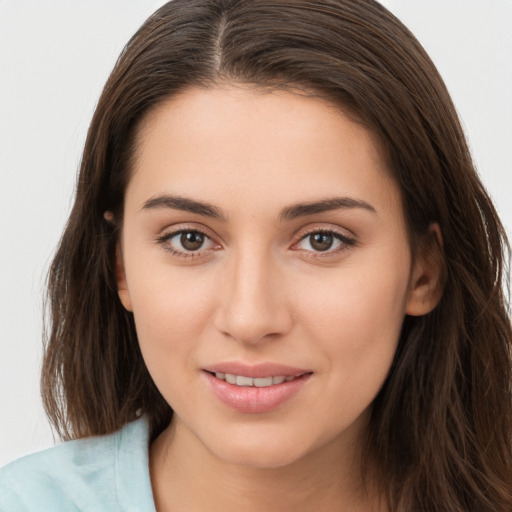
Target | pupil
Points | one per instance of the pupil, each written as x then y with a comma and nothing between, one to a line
321,241
191,240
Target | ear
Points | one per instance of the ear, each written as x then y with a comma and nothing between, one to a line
122,285
428,274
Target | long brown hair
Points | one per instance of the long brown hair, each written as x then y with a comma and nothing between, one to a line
441,426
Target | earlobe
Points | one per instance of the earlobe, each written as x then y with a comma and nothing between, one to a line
122,286
428,274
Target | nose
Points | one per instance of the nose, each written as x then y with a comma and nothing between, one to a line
253,304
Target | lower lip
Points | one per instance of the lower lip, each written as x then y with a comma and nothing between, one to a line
251,399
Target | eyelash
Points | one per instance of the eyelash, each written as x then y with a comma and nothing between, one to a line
345,240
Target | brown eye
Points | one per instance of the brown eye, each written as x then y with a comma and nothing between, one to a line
328,242
321,241
187,243
191,240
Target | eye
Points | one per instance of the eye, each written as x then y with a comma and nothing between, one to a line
189,240
186,242
324,241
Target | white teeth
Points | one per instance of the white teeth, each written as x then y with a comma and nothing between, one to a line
261,382
244,381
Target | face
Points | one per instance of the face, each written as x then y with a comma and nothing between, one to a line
264,256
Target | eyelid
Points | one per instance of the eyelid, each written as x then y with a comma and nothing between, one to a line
324,228
187,226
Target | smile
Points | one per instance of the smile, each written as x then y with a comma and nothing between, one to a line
262,382
262,392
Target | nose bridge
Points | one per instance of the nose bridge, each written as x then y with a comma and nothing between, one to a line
253,303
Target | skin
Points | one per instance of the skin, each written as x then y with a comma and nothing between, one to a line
258,291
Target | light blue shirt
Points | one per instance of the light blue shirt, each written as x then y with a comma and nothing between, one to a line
98,474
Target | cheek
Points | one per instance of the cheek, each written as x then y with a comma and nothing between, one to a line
354,302
171,309
356,318
357,334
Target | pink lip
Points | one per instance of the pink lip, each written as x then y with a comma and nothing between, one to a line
261,370
251,399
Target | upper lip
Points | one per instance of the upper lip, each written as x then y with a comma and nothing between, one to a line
255,371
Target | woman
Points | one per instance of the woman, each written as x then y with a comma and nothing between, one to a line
280,259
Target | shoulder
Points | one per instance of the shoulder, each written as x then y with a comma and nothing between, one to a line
108,472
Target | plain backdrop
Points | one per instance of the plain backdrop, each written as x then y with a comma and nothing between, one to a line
54,59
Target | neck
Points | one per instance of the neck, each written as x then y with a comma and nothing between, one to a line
186,476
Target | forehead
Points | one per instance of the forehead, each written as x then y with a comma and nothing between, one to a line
215,107
243,141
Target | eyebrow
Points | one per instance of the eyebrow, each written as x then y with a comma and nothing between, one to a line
288,213
335,203
185,204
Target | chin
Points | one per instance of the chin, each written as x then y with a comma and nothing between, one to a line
265,452
260,458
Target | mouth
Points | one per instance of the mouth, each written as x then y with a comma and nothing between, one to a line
255,389
258,382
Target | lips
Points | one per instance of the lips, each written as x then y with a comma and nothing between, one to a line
255,389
